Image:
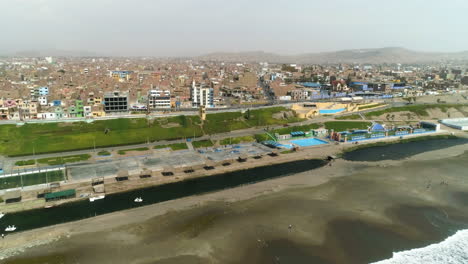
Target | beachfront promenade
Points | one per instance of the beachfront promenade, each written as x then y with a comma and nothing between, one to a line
202,167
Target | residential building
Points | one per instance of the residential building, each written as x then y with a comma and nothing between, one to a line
4,113
116,102
201,96
42,100
87,111
159,99
59,113
43,91
79,108
121,76
46,115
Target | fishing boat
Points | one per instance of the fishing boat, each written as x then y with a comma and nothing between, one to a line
10,228
138,200
1,215
92,199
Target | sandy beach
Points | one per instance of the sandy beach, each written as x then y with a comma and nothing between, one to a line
327,215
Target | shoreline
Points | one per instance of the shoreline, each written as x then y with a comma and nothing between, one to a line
84,189
107,222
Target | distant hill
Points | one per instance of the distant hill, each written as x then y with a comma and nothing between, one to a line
54,53
382,55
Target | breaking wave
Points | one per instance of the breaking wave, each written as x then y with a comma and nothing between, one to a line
453,250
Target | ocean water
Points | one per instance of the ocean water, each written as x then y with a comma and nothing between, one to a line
453,250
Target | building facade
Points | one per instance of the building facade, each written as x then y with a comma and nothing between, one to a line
201,96
159,99
116,102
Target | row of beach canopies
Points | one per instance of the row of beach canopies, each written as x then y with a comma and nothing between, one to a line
298,134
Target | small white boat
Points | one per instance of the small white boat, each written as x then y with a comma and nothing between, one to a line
92,199
10,228
138,200
1,215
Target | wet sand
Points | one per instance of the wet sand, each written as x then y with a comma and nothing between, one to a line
351,212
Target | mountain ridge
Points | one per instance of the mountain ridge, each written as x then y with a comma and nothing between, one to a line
377,55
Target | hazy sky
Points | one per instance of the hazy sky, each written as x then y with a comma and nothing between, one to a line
193,27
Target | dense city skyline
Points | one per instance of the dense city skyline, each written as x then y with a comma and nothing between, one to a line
188,28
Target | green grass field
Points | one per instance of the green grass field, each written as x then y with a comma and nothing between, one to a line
236,140
175,146
346,125
104,153
58,137
64,159
202,144
349,117
370,106
31,179
25,162
124,151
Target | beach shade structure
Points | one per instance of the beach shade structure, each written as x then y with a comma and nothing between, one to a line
189,170
270,143
97,181
12,196
225,164
71,193
257,157
122,175
167,172
376,127
242,158
360,131
274,153
145,174
209,165
297,134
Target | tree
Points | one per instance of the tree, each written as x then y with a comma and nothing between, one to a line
247,114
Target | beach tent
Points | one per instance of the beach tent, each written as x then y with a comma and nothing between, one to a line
377,127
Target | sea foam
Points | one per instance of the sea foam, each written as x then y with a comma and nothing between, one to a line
453,250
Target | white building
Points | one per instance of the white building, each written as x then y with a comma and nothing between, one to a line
49,59
87,111
46,116
201,96
159,99
42,100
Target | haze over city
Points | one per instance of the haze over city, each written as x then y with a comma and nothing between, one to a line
189,28
233,132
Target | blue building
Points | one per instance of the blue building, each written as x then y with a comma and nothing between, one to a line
44,91
57,102
400,86
311,85
360,86
121,74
